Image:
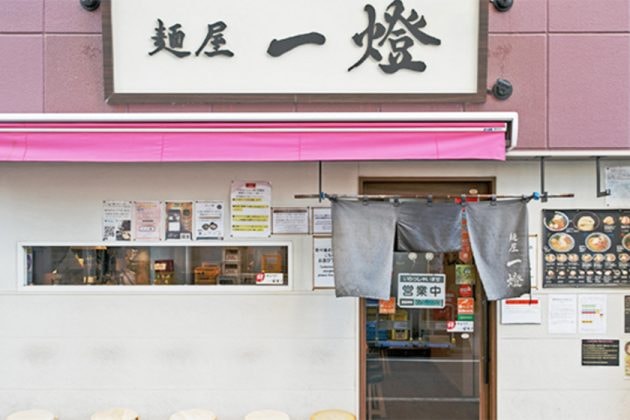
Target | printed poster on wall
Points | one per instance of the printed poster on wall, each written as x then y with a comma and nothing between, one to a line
600,352
323,272
521,310
322,221
290,220
147,221
250,209
626,358
117,217
562,314
586,248
209,219
592,314
618,182
179,220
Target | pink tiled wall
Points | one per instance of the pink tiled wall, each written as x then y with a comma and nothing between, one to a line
569,62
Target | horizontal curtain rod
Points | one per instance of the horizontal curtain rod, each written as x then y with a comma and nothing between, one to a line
323,195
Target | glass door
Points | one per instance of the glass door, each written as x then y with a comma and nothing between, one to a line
428,352
424,363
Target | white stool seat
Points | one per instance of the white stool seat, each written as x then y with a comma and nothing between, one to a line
267,415
195,414
32,415
115,414
333,415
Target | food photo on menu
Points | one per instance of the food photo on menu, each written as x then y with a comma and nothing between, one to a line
586,247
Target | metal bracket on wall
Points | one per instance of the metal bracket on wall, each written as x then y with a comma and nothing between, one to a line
90,5
502,89
502,5
600,193
321,193
543,192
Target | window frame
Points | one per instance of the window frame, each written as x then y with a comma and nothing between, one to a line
23,286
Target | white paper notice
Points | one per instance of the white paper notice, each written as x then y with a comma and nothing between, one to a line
117,217
562,314
522,310
618,182
148,220
323,272
209,219
533,261
290,220
250,209
322,221
592,314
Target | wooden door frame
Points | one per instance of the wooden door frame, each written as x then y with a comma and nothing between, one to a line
490,396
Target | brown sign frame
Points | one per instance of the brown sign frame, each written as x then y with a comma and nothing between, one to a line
112,97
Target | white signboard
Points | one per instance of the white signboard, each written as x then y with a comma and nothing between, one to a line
269,278
209,219
290,220
322,221
117,217
522,310
323,272
562,314
460,326
592,314
250,209
170,48
421,290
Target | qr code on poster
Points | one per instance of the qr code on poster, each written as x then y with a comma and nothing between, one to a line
109,232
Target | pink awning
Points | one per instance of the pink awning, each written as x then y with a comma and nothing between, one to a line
249,142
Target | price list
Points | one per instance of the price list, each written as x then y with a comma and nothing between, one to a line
586,248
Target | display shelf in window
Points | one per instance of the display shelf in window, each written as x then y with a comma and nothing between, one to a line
238,266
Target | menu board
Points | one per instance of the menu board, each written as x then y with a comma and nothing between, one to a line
586,248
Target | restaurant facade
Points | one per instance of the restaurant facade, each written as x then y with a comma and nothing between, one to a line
167,236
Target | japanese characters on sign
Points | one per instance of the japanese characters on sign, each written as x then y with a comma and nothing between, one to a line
323,270
421,290
250,209
299,47
402,32
515,279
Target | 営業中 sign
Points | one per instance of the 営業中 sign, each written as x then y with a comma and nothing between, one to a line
421,290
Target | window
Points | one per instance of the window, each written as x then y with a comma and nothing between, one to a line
160,265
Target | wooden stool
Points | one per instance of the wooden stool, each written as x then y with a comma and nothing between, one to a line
195,414
32,415
267,415
116,414
333,415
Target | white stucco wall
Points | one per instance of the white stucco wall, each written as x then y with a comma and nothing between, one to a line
75,353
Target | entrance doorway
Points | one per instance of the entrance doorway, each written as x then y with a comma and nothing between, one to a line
415,363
